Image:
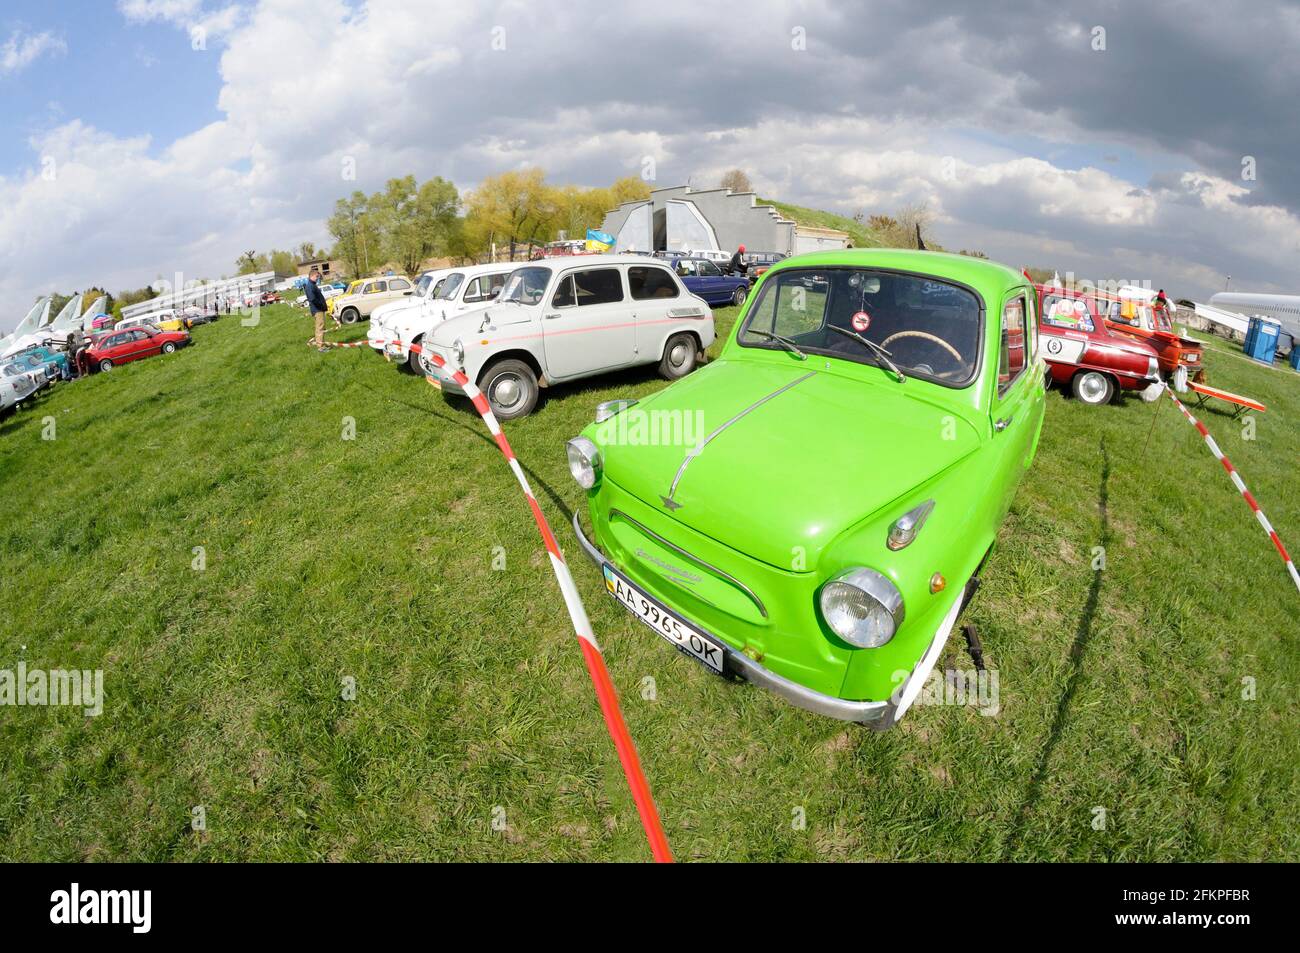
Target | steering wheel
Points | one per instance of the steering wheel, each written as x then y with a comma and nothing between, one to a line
933,339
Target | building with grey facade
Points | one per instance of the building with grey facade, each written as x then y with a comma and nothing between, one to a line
685,219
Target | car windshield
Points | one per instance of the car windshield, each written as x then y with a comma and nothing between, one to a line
929,328
451,285
422,286
1064,312
525,285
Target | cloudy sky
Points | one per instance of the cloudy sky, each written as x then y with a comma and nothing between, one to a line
1154,142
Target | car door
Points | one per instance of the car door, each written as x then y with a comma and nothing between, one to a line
711,281
587,324
1018,400
115,347
398,288
135,345
653,294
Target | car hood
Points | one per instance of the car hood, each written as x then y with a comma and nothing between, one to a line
468,324
791,456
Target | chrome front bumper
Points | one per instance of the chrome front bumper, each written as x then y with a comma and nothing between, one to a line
876,715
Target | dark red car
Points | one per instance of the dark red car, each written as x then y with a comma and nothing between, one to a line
131,344
1085,355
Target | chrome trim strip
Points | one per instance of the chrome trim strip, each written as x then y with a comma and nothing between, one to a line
693,558
705,442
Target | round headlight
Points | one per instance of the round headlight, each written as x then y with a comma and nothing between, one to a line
862,607
584,461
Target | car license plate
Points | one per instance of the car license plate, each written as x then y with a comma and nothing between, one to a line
669,627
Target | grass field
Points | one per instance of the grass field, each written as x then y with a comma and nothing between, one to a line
375,559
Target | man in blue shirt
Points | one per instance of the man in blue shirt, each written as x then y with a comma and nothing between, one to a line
316,305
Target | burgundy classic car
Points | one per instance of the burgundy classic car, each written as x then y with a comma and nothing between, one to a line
131,344
1085,355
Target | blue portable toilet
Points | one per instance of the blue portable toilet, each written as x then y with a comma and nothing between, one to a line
1261,339
1295,354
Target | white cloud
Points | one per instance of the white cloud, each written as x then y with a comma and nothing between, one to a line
21,50
853,124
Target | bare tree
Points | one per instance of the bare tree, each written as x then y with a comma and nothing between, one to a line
737,181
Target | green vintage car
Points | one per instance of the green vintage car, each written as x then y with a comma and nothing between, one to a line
811,510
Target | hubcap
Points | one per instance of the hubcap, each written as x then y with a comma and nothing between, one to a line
677,356
1093,387
506,392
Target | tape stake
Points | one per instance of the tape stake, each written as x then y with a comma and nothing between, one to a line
606,696
1241,488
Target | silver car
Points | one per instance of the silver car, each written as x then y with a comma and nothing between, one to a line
562,319
17,383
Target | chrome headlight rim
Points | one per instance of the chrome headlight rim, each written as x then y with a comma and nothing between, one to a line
458,352
875,586
585,464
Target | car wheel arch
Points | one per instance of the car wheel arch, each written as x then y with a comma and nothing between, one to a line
514,354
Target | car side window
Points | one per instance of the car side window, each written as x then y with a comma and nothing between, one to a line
1060,311
494,283
1011,357
709,269
563,297
381,286
399,284
598,286
648,282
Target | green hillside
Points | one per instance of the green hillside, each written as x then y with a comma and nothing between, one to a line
863,237
237,533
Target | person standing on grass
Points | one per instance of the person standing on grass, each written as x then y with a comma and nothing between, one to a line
316,305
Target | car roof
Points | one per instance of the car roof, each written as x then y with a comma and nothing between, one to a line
963,269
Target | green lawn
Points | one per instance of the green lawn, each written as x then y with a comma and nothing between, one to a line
373,559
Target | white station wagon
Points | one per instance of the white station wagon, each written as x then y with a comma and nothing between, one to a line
562,319
455,291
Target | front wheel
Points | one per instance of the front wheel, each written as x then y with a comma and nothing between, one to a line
413,359
350,316
511,389
739,295
680,355
168,348
1093,387
105,365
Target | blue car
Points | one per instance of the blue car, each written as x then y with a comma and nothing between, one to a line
56,362
705,279
45,369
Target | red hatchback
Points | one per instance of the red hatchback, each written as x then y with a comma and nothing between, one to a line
131,344
1082,353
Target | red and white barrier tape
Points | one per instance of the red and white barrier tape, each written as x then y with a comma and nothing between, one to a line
1241,486
591,654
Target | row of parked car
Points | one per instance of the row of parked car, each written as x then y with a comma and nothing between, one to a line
871,412
516,329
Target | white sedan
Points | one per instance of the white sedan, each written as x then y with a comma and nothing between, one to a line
561,320
18,381
454,291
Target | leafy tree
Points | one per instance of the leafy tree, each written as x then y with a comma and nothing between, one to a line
416,223
514,207
357,237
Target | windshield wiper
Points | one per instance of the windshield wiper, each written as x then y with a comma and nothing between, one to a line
784,342
876,349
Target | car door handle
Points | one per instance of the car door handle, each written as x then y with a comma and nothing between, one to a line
552,316
1004,423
